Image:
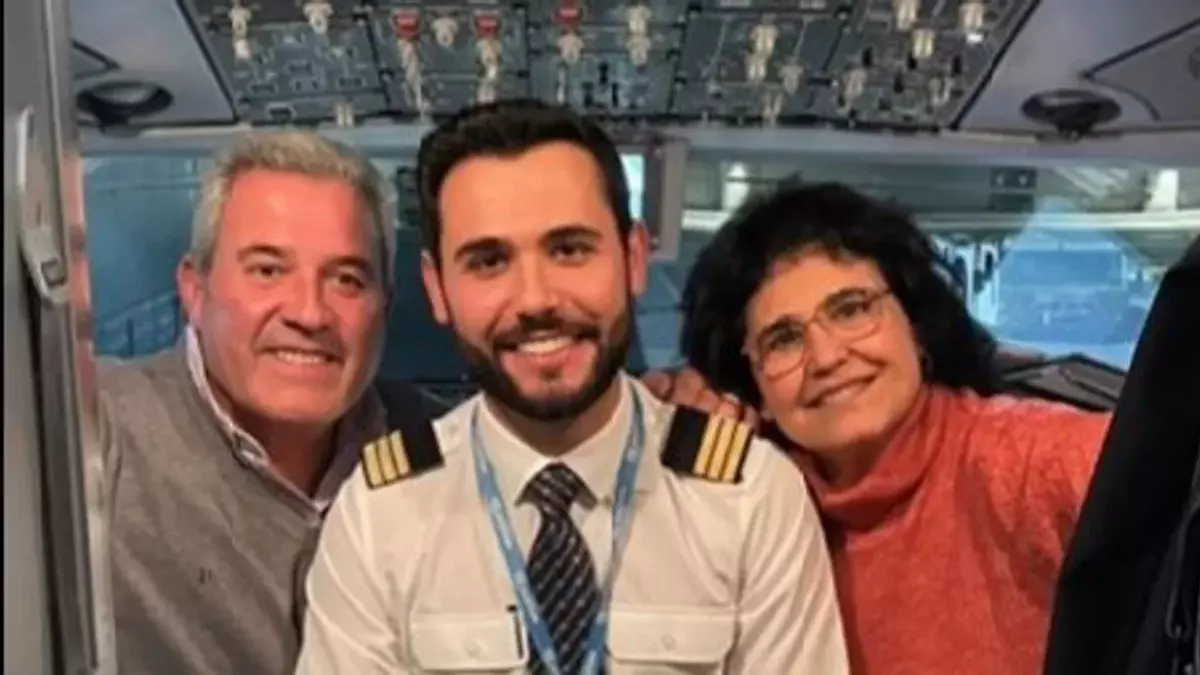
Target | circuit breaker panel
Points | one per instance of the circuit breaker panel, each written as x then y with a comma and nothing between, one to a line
882,63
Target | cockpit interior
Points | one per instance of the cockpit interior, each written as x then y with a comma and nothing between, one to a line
1050,147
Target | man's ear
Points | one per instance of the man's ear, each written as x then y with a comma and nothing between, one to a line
637,257
189,280
431,279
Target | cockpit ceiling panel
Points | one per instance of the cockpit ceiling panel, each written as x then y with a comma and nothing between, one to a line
1066,40
1164,73
85,62
891,63
153,43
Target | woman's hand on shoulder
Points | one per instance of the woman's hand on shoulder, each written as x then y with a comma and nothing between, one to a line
687,388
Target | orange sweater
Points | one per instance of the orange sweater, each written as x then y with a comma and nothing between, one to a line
947,552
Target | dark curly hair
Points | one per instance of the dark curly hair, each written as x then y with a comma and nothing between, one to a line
959,352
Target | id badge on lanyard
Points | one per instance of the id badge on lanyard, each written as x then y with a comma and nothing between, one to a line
514,560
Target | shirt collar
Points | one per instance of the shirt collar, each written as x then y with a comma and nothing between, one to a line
595,460
361,423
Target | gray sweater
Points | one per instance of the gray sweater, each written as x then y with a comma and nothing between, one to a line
208,548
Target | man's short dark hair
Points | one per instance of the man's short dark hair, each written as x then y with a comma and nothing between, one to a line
958,352
509,128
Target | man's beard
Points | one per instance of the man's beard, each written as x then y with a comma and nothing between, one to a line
610,358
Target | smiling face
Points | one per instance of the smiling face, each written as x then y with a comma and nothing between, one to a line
835,355
535,278
290,313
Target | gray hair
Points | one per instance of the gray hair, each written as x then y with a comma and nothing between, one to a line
300,152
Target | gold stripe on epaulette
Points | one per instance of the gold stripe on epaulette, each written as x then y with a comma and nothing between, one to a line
385,461
721,450
371,468
399,454
738,445
707,443
724,449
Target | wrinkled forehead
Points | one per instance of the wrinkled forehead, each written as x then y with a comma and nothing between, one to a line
800,283
307,216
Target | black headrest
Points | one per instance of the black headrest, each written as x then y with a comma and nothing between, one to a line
1075,379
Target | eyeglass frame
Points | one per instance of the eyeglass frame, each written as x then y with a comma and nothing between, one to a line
872,303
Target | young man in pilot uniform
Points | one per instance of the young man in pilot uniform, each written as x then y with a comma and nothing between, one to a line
564,520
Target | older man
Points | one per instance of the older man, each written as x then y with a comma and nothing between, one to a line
223,454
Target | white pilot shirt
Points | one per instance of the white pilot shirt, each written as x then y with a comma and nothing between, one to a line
716,578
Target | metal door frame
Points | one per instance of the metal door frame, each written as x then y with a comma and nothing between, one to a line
48,223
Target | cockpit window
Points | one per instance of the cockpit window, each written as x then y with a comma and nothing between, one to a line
1054,259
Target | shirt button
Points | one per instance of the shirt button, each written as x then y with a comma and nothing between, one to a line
472,649
668,642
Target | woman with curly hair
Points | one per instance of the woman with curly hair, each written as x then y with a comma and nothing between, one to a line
948,506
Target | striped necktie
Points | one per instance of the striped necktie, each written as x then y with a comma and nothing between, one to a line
561,570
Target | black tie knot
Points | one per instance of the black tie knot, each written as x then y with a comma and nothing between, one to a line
554,489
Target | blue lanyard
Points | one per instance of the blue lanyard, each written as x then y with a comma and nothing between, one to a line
489,491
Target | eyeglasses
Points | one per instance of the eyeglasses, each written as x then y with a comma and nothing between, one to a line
849,315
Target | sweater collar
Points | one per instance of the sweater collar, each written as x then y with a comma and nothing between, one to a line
897,473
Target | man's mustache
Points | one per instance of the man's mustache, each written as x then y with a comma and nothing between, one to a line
533,326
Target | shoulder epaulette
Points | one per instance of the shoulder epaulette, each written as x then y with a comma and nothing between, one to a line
707,446
410,448
389,459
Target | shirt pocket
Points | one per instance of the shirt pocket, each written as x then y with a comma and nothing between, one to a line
652,641
467,643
